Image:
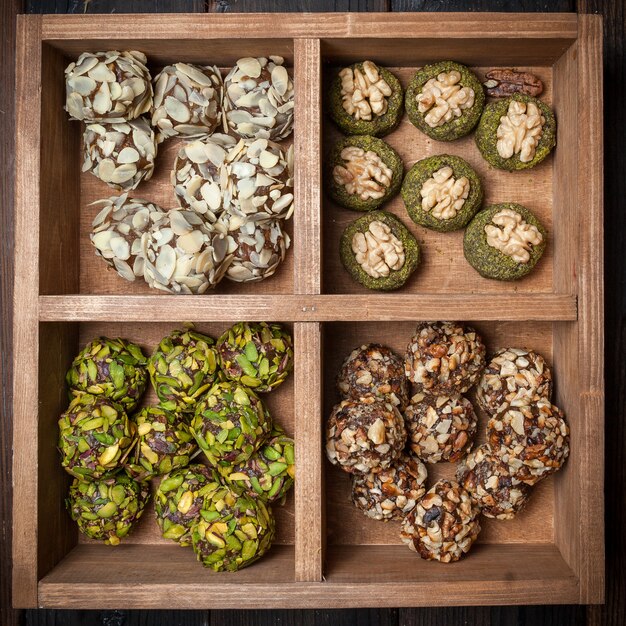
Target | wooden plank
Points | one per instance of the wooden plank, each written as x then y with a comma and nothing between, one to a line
510,6
299,6
111,6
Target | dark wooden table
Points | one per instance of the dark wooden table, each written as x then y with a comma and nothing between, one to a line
614,612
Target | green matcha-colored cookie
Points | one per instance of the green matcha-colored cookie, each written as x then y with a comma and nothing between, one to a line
449,202
440,120
384,111
398,263
487,131
519,237
350,180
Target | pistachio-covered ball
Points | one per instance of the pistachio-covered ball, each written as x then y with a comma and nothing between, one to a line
230,424
182,369
108,508
269,473
165,443
256,355
234,530
179,497
113,368
95,437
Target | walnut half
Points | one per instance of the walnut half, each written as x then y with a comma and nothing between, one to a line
363,173
378,251
364,93
443,195
444,98
512,235
519,131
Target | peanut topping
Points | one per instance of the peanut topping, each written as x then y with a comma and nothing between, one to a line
364,92
378,250
512,235
443,195
444,98
364,173
519,131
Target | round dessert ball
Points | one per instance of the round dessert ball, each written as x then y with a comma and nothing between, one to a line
113,368
117,233
514,377
391,493
379,252
363,172
233,530
444,358
532,440
444,523
179,498
164,443
374,369
187,101
108,508
444,100
258,355
230,424
366,99
442,193
108,86
487,479
440,428
259,98
504,241
182,368
364,436
516,133
95,437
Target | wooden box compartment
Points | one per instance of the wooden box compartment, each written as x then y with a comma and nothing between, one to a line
327,553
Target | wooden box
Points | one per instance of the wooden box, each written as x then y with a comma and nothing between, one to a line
327,553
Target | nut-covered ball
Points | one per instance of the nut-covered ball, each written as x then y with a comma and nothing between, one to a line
230,424
514,377
182,368
391,493
187,101
443,525
259,98
487,479
233,531
374,370
114,368
179,498
165,443
120,154
364,436
108,508
532,440
256,355
440,428
95,437
108,86
444,358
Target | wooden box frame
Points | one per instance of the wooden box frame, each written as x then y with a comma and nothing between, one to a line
49,570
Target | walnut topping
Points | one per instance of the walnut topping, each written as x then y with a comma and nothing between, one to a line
443,195
364,92
519,131
378,250
363,173
512,235
444,98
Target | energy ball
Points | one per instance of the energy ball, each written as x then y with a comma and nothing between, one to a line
108,86
487,479
179,498
107,509
440,428
443,525
182,369
259,98
374,369
532,440
258,355
230,424
391,493
444,358
95,437
187,101
364,436
233,530
514,377
165,443
113,368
